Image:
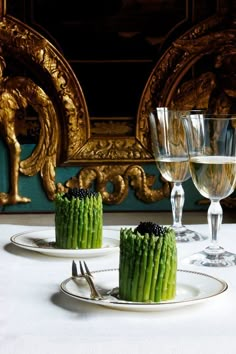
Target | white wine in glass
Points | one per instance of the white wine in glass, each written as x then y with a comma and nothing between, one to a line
171,156
212,160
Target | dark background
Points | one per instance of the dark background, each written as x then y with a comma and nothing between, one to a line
113,45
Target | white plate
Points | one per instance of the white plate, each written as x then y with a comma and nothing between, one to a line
192,288
43,241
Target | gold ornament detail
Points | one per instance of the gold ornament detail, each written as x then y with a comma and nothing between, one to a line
44,60
116,149
121,177
16,93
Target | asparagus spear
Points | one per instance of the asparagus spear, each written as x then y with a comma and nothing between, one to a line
64,220
76,224
123,264
143,265
84,233
130,263
171,292
95,222
98,236
126,259
136,260
81,222
157,255
161,270
149,271
127,256
58,223
70,223
90,223
166,274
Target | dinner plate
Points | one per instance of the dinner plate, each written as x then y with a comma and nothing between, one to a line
43,241
192,288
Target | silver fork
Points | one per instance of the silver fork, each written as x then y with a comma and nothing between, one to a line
86,274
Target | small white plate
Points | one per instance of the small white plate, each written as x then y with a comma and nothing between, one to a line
192,288
43,241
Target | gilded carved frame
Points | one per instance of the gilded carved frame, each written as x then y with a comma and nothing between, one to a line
111,158
79,146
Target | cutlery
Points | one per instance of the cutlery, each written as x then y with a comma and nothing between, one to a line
86,274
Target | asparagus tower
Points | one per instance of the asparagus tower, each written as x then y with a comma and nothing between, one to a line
78,219
148,263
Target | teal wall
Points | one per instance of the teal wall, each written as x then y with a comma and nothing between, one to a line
31,187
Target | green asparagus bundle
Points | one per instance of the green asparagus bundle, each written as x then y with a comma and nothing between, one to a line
78,219
148,263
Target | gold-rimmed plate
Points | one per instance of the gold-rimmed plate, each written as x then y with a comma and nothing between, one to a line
43,241
192,288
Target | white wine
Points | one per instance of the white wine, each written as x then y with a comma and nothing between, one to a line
174,169
214,176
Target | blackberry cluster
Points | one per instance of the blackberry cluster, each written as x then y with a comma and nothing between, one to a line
80,193
150,228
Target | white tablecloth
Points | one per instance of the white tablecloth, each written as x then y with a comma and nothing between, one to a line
36,317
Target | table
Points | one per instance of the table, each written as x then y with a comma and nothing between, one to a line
36,317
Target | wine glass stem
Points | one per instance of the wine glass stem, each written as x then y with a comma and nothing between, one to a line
177,203
214,217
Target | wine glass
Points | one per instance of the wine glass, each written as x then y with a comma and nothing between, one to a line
171,156
212,159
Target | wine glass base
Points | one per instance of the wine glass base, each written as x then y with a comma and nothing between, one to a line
203,258
186,235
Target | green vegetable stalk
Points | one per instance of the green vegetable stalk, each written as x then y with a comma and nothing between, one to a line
81,222
124,262
58,223
137,264
78,219
95,223
150,266
90,223
147,266
99,234
143,266
98,222
157,255
161,271
171,288
75,244
84,233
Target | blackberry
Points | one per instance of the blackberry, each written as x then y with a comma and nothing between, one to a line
79,193
150,228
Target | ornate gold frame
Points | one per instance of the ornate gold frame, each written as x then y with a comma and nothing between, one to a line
114,158
77,146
